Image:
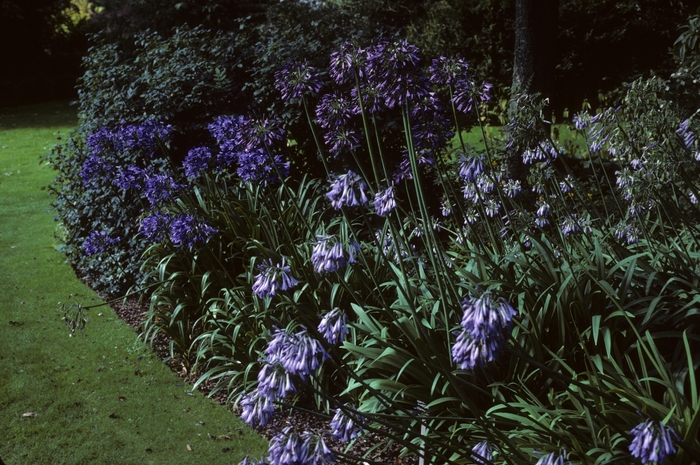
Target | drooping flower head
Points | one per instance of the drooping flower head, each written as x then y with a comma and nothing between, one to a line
299,353
257,409
330,255
482,453
553,458
334,326
347,190
652,441
273,277
291,448
296,79
470,167
484,323
345,427
384,201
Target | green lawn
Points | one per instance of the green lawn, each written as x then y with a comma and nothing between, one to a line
100,398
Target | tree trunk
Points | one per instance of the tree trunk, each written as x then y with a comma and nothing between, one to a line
533,63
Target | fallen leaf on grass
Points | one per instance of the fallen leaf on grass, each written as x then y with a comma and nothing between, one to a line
189,448
29,414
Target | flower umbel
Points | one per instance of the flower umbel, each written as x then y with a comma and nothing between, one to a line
652,441
347,190
273,277
334,326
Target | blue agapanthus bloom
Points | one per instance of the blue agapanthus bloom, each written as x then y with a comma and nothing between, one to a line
448,70
291,448
470,167
341,139
95,168
130,178
467,95
160,188
553,458
484,323
273,277
346,61
330,255
155,227
188,231
652,442
296,79
334,326
197,162
98,241
274,382
344,427
299,353
482,453
334,110
256,166
256,409
347,190
384,201
248,461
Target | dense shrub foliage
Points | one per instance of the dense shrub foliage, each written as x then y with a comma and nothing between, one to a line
404,285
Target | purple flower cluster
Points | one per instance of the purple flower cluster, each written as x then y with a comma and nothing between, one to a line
347,190
160,188
97,242
329,255
652,442
249,144
197,162
291,448
296,79
345,427
484,323
188,231
95,169
144,138
286,355
384,201
130,178
575,224
448,70
334,326
155,227
468,96
553,458
273,277
482,453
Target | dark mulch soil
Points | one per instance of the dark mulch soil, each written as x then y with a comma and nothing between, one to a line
132,312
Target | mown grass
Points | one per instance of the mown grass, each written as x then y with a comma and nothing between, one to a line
99,398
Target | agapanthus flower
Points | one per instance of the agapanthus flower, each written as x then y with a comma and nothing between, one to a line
693,198
372,99
484,323
686,134
160,188
188,231
261,132
274,381
652,441
256,409
384,201
345,61
255,166
467,96
334,110
299,353
448,71
567,184
248,461
575,224
197,162
470,167
343,427
553,458
492,207
98,241
581,120
334,326
273,277
341,139
512,188
130,178
296,79
482,453
155,227
347,190
539,153
291,448
95,168
329,255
